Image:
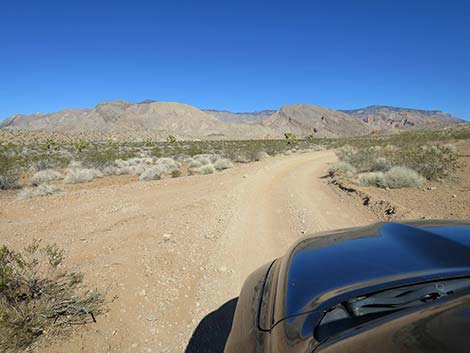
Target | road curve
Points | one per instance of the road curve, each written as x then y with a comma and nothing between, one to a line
171,252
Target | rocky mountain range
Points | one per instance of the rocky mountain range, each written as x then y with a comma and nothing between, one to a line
386,118
187,122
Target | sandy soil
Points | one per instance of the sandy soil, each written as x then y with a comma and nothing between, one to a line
173,251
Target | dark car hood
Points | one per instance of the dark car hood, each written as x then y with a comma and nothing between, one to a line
319,269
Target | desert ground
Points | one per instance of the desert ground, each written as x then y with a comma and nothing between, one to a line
172,254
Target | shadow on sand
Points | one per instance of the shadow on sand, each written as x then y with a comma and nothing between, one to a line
212,332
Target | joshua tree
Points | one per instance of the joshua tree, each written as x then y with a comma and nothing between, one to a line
80,145
171,138
290,137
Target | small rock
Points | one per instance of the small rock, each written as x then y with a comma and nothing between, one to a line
166,237
143,293
223,269
151,316
454,196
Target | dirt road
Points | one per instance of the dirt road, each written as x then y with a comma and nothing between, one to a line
172,252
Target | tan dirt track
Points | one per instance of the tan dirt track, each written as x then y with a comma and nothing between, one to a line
175,250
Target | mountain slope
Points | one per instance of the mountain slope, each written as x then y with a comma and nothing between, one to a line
248,118
305,119
386,118
147,117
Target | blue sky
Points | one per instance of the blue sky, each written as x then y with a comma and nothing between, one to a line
236,55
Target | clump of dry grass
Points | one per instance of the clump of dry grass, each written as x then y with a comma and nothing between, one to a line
223,163
81,175
152,173
40,190
342,169
207,169
395,178
401,177
261,155
163,166
38,297
45,176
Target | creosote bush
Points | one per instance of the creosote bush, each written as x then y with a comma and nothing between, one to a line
39,297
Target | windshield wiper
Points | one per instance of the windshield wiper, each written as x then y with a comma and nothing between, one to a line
405,297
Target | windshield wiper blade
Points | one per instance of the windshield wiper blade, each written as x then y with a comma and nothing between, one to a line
400,298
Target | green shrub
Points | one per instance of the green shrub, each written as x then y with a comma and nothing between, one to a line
176,173
38,296
381,164
8,172
431,161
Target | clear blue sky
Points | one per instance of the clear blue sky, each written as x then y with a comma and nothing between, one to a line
237,55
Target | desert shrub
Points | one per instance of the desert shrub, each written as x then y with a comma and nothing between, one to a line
371,179
81,175
111,170
400,177
203,159
176,173
98,156
168,165
193,163
223,163
136,169
152,173
45,176
44,164
38,296
261,155
8,172
75,164
341,169
381,164
40,190
431,161
121,164
362,159
207,169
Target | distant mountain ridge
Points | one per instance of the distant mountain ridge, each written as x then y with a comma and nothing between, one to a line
386,117
246,117
188,122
